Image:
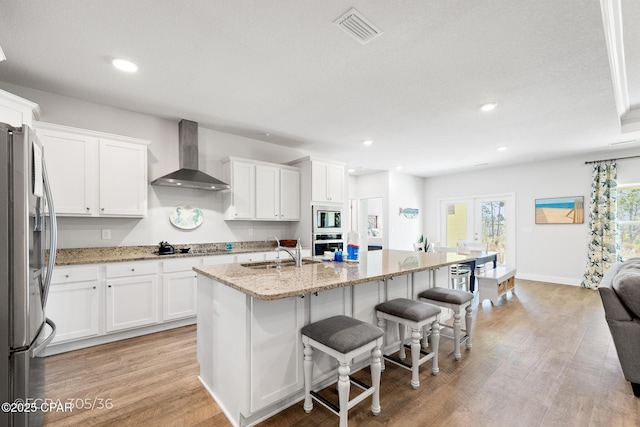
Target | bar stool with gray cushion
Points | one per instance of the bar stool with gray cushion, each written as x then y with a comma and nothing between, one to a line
457,301
343,338
416,315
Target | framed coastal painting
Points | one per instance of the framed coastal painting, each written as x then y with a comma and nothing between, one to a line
560,210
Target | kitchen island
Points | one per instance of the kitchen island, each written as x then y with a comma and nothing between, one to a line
249,321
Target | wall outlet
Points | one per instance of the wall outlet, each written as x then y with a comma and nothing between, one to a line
251,232
106,234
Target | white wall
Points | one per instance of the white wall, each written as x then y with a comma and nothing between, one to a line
397,191
405,191
552,252
162,159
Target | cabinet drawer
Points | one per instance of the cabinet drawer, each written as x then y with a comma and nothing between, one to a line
72,275
175,265
127,269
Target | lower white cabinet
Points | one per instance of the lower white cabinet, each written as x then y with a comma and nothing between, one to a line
131,302
74,309
179,289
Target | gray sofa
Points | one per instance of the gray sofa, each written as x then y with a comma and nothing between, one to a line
620,294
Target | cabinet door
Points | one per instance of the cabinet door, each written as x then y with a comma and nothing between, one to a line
179,295
131,302
74,309
276,350
71,164
243,190
335,182
267,192
326,182
123,179
319,173
289,194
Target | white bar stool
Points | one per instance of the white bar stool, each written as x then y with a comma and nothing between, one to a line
457,301
416,315
343,338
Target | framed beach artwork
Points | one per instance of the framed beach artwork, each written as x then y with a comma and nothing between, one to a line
560,210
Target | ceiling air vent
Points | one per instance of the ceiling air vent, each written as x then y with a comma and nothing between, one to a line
357,26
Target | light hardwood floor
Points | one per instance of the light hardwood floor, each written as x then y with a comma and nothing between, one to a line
541,358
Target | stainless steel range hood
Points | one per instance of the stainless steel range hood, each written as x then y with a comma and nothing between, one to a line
188,175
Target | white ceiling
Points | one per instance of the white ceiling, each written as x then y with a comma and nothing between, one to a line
282,67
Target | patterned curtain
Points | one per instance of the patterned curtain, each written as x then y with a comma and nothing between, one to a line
604,241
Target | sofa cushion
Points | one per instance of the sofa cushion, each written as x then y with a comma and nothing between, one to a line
626,284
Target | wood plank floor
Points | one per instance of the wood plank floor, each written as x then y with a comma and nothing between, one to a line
543,357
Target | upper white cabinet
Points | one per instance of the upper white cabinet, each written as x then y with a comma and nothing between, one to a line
327,182
95,174
240,201
17,111
289,194
261,191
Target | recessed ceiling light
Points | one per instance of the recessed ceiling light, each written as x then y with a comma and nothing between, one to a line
398,167
351,170
502,148
489,106
124,65
178,183
367,142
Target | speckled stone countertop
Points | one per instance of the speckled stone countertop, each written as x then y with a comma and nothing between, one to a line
142,253
272,284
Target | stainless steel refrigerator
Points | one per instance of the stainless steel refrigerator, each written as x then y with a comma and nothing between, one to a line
27,231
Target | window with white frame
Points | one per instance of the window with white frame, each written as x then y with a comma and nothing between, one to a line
629,220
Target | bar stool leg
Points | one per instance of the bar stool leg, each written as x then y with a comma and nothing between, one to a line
308,376
401,331
376,368
456,334
343,391
425,337
415,357
435,346
382,325
467,324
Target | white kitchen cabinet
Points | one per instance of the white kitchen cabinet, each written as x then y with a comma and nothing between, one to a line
17,111
250,257
179,289
327,182
240,201
73,303
289,194
72,161
95,174
267,192
123,178
131,295
261,191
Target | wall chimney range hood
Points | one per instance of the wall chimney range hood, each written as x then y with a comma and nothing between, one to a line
188,175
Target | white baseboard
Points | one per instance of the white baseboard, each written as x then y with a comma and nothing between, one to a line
550,279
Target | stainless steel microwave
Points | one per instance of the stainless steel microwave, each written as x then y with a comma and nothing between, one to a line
326,219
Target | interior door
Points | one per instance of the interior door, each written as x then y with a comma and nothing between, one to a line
486,220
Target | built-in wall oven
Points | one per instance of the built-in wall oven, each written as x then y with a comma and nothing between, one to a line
327,229
323,242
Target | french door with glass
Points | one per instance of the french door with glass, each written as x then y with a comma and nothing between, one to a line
487,220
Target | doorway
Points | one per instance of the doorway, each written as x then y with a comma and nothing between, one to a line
486,220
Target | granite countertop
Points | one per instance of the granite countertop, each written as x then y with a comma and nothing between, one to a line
142,253
272,284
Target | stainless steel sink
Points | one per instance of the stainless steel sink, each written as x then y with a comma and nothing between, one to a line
263,265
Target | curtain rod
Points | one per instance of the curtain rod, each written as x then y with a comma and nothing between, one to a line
608,160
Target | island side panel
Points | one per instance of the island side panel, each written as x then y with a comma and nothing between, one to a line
276,350
222,349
